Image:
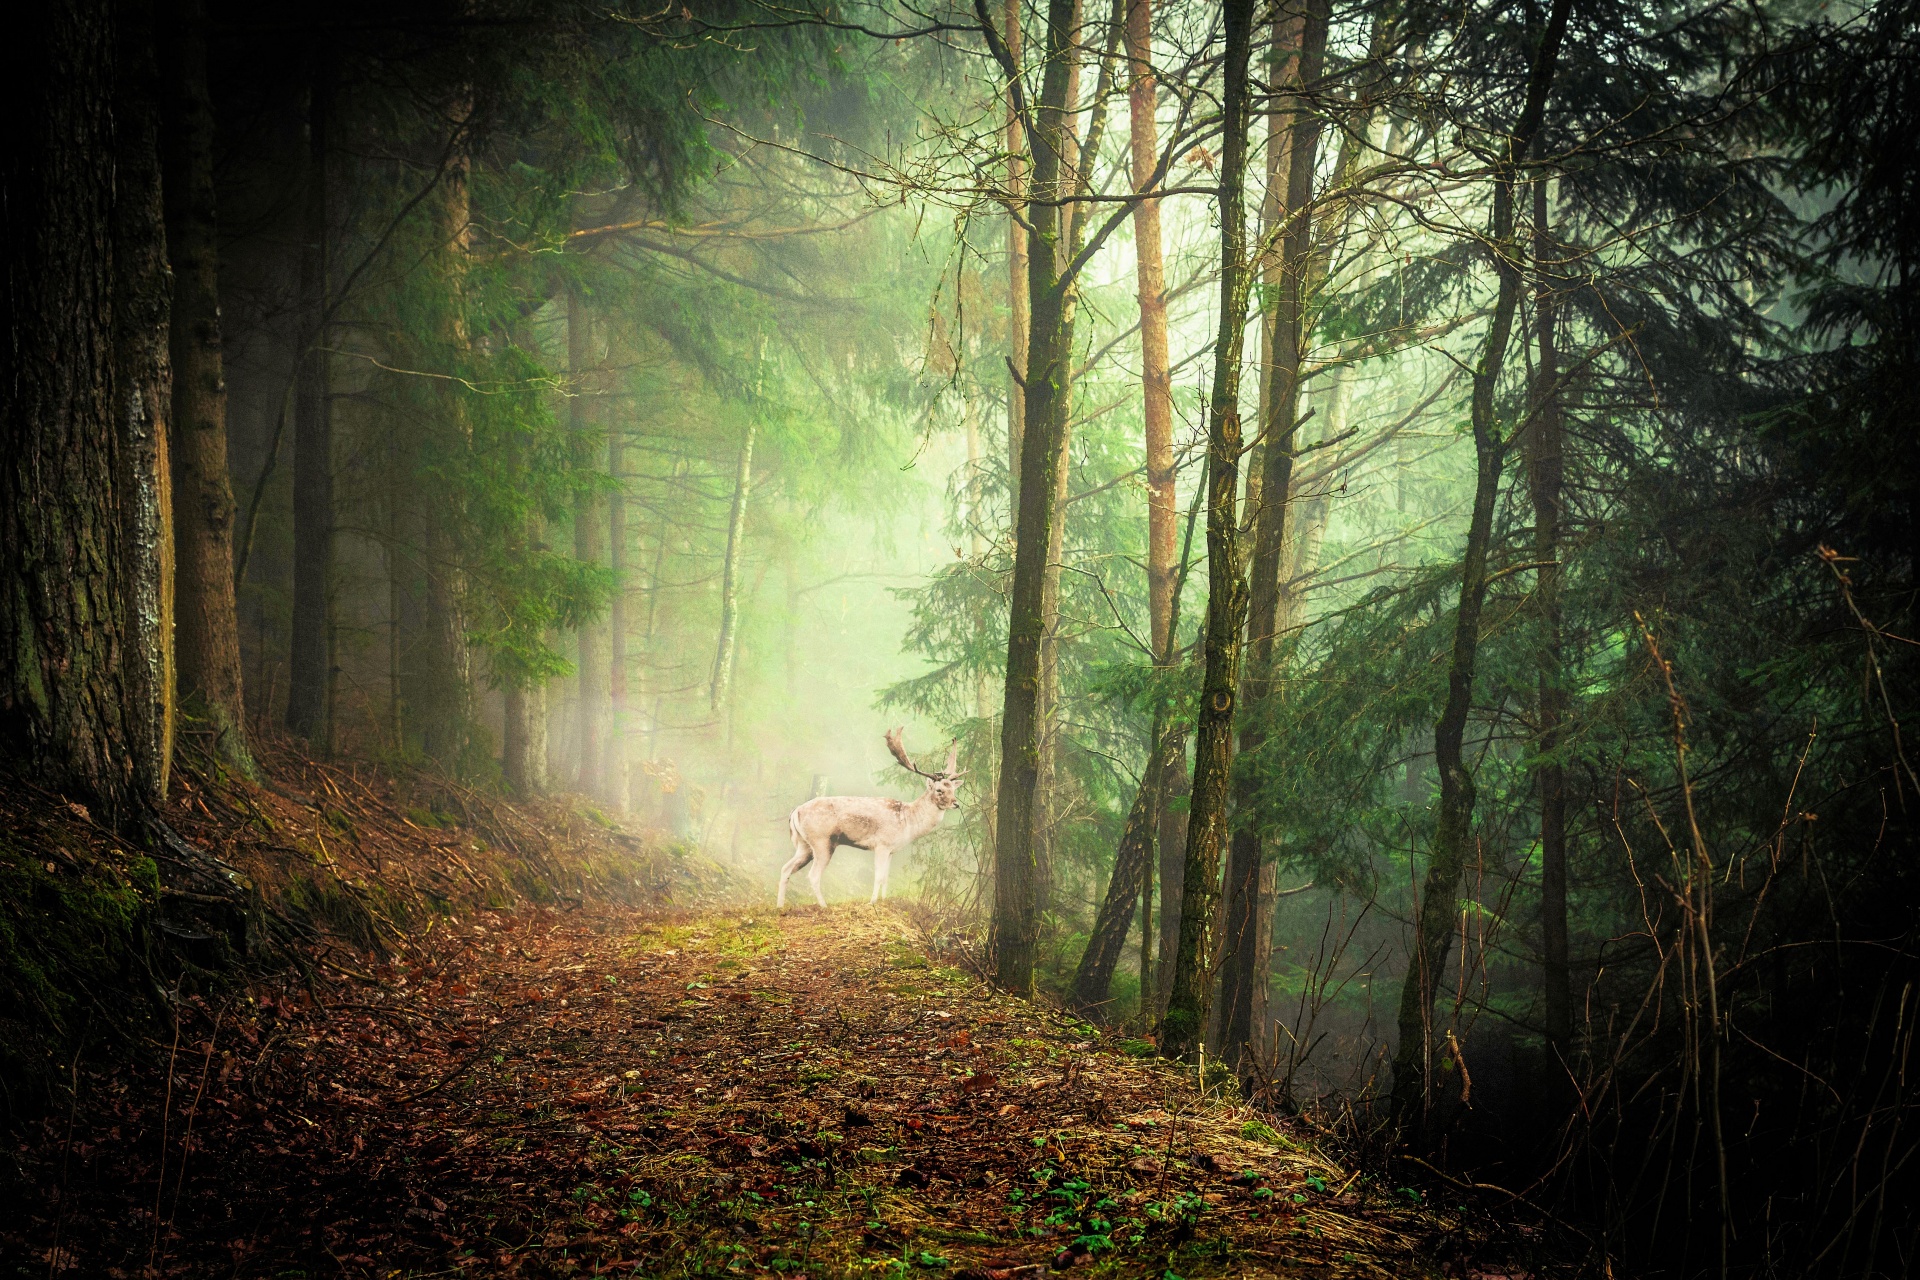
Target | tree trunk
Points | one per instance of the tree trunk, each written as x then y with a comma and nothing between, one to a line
311,658
722,686
1300,46
1545,469
1192,996
447,721
1014,928
982,684
617,762
523,754
1018,325
1156,382
590,715
1132,871
1156,386
206,626
1170,837
84,595
1453,825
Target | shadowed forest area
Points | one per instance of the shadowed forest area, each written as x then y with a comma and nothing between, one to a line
1389,532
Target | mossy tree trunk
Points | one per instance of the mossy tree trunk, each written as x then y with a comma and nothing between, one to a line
1014,933
1191,998
1293,142
85,594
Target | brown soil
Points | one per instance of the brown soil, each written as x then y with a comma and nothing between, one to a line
603,1091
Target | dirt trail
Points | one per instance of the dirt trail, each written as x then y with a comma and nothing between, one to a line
611,1093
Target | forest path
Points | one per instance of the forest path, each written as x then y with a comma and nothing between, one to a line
606,1092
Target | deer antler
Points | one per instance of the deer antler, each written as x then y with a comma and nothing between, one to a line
900,753
953,759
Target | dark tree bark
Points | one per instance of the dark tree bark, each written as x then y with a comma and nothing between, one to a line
1015,924
312,651
1300,44
1191,998
206,627
1170,838
1453,825
1018,326
85,597
1132,867
1545,469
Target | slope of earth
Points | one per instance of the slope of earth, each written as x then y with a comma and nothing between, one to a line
603,1092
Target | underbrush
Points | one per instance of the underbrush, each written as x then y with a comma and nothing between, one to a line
320,863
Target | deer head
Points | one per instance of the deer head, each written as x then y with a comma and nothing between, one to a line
943,786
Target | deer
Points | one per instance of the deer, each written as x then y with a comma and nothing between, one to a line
885,826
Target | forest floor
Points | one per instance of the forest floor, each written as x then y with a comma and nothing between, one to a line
609,1091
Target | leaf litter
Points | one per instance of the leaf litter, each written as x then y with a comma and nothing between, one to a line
604,1091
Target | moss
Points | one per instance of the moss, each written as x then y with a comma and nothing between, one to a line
1261,1131
71,933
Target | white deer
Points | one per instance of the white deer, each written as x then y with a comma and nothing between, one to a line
868,822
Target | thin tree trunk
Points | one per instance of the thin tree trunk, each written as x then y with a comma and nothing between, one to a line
1191,1000
722,687
590,715
84,595
1170,837
1545,469
312,659
1018,325
1156,385
446,723
1048,802
1132,870
1453,825
1300,44
982,686
207,626
396,591
1014,929
617,763
1156,382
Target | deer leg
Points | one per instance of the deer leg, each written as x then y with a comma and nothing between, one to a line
801,855
814,875
881,858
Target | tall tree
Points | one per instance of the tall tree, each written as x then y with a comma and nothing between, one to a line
1191,998
311,665
1050,289
1293,142
720,689
589,535
617,782
1545,472
1156,386
206,629
1017,318
85,601
447,718
1453,823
